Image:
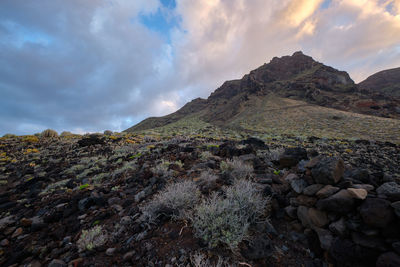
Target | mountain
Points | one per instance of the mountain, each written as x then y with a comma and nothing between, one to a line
386,82
290,95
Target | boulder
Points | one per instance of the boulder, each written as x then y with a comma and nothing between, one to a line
328,170
376,212
317,218
396,206
327,191
390,190
388,259
325,238
57,263
358,193
341,202
339,227
292,156
312,189
302,214
298,185
367,187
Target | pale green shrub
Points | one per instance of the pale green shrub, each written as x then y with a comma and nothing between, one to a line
92,238
226,221
236,168
179,198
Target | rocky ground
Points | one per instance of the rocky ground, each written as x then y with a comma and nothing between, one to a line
80,201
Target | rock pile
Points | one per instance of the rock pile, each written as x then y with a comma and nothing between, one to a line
356,223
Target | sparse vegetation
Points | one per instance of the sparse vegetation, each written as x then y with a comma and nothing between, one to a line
237,169
176,200
49,133
226,221
92,238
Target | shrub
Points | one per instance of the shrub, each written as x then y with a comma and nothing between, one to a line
92,238
49,133
65,134
176,199
226,221
9,135
30,139
236,168
161,168
199,259
207,181
108,132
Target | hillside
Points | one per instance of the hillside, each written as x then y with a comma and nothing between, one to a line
386,82
290,95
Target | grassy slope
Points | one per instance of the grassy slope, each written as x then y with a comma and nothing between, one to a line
271,115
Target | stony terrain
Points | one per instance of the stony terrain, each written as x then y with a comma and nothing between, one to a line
105,200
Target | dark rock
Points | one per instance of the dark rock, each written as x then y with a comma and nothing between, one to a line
258,248
91,140
317,218
338,227
313,242
390,189
396,247
312,189
388,259
325,238
86,203
341,202
255,142
396,206
57,263
298,185
361,175
376,212
328,170
327,191
291,212
368,241
292,156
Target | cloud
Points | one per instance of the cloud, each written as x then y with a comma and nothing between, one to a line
95,65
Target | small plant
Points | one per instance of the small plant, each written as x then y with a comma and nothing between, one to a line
84,186
9,135
277,172
161,168
108,132
30,139
49,133
206,155
226,221
236,168
177,199
92,238
66,134
31,150
138,155
207,181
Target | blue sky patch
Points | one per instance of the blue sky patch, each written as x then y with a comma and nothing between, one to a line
162,21
326,4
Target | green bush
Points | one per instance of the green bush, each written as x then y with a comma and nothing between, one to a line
49,133
177,198
226,221
92,238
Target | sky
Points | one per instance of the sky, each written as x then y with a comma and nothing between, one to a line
90,66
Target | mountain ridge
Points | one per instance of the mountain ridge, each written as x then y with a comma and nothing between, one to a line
298,77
